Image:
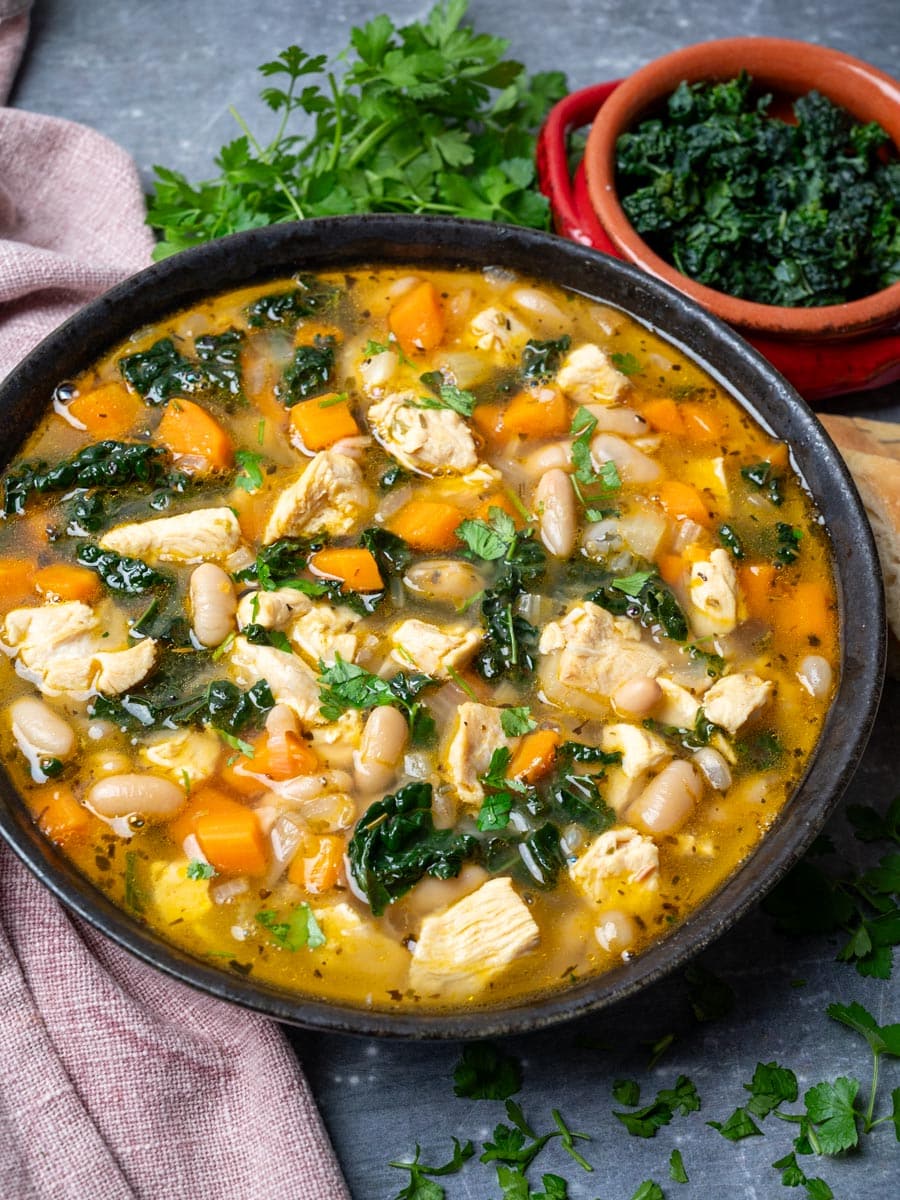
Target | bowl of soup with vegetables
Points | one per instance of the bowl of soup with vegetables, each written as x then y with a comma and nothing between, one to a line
406,626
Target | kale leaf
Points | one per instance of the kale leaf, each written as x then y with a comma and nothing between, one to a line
540,360
395,844
163,705
131,576
645,598
106,464
310,372
286,309
162,371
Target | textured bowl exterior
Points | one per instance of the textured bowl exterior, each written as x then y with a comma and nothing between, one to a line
788,69
335,243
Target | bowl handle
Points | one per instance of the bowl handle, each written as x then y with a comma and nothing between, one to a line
573,214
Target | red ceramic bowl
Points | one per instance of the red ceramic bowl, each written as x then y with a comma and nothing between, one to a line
788,69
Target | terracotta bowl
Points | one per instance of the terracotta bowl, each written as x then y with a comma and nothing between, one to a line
788,69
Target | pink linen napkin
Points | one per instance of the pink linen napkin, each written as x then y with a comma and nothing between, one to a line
116,1082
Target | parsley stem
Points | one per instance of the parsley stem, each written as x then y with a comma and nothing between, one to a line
870,1111
338,123
298,211
378,134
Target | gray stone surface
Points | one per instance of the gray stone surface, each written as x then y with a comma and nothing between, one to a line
158,76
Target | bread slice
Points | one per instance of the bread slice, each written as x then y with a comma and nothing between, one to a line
871,449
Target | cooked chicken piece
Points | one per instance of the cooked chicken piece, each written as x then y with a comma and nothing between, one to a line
620,855
329,497
432,650
478,733
496,330
588,376
324,632
598,652
204,535
733,700
713,590
272,610
189,754
289,678
640,749
459,951
678,706
430,441
68,648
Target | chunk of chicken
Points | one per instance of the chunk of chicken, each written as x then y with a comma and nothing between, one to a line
478,733
588,376
289,678
732,701
640,749
713,591
432,650
188,754
324,632
596,653
272,610
109,672
329,497
678,706
498,331
620,855
39,634
461,950
204,535
430,441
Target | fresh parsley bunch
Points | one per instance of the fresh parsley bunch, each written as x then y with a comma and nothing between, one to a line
428,118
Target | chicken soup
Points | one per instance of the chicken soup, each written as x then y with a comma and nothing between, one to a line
408,638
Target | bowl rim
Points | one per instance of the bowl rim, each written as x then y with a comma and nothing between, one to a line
333,242
787,64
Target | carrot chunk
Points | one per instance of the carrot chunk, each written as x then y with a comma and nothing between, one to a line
59,815
756,581
284,757
320,422
808,613
534,756
188,430
109,411
671,568
60,581
501,501
428,524
16,580
682,502
317,865
417,319
701,423
541,413
664,415
229,833
354,566
487,419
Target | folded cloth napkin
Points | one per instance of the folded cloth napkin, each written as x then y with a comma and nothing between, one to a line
116,1082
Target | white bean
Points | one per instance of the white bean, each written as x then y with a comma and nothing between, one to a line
539,303
213,604
145,795
618,418
554,454
668,800
816,675
554,502
637,697
714,767
444,580
40,731
383,742
281,720
632,465
615,931
107,762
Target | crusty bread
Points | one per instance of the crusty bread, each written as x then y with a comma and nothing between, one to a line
871,449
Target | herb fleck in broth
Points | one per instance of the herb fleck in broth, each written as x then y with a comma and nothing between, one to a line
497,637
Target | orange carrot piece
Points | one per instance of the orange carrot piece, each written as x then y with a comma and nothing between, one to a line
539,413
284,757
317,865
501,501
60,581
682,502
354,566
701,423
417,319
487,420
756,581
779,455
190,431
59,815
671,568
534,756
322,421
231,774
808,613
108,411
663,415
16,579
428,524
232,840
207,799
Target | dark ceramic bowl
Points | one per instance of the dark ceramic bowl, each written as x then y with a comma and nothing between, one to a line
331,244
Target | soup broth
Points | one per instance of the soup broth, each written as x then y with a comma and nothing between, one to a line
408,638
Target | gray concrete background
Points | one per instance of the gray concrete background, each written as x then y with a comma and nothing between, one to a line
158,76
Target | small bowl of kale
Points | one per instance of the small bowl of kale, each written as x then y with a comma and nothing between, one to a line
762,177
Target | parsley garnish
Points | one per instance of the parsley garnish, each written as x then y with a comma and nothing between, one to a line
251,477
346,685
197,869
626,363
517,721
644,1122
446,395
300,927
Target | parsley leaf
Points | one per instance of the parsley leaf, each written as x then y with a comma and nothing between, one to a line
517,721
770,1086
626,363
251,477
676,1168
196,869
345,685
645,1121
831,1107
739,1125
484,1072
300,927
446,395
420,1186
491,539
